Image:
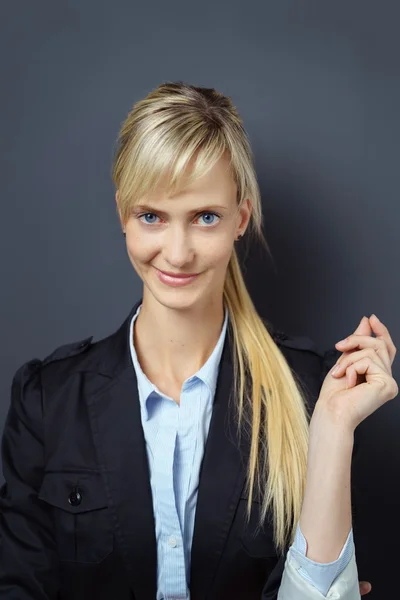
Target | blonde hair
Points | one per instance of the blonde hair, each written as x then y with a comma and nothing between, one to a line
162,133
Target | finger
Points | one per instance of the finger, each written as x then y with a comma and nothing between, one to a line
382,332
350,359
365,587
363,328
375,378
351,377
377,345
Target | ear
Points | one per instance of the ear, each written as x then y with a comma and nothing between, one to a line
245,214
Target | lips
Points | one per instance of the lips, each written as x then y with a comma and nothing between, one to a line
176,281
178,275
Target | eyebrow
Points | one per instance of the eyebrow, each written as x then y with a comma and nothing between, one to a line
146,207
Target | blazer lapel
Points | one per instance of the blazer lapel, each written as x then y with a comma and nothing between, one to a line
119,439
222,477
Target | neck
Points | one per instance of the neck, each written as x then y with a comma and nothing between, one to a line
176,343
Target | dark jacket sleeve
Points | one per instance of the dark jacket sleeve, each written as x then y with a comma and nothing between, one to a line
28,556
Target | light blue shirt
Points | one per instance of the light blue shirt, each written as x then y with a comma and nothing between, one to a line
175,438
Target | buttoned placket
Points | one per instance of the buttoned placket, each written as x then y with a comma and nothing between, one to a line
171,534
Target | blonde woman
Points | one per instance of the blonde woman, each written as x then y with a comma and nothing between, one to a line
196,452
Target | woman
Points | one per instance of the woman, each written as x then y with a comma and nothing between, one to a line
196,452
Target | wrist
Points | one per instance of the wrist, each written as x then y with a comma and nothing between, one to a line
330,415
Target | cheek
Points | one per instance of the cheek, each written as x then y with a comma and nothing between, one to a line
140,248
217,255
138,254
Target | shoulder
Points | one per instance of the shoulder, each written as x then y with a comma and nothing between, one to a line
308,362
68,350
26,402
304,354
295,342
29,373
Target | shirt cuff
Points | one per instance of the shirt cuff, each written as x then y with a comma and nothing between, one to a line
320,575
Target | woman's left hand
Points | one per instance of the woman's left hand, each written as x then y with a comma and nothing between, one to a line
363,380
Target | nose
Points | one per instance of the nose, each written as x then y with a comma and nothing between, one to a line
177,248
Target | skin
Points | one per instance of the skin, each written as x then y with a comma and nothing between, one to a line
365,588
188,320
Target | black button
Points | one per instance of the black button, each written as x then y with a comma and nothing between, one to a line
75,498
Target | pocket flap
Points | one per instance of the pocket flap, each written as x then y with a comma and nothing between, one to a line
73,492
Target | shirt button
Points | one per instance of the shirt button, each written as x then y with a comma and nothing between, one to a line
172,541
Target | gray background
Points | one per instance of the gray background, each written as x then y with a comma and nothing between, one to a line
317,85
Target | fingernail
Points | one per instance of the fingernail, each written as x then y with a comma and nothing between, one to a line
342,341
373,315
335,369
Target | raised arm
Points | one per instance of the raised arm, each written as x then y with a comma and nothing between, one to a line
362,383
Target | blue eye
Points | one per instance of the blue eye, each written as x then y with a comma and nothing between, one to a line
146,215
149,214
210,213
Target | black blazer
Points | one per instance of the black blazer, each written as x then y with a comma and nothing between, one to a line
76,509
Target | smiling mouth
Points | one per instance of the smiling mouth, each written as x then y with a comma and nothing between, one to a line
178,275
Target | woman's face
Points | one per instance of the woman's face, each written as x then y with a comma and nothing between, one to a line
192,232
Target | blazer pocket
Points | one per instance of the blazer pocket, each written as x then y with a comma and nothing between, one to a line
82,520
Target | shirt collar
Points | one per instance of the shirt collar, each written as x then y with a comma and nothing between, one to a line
208,373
